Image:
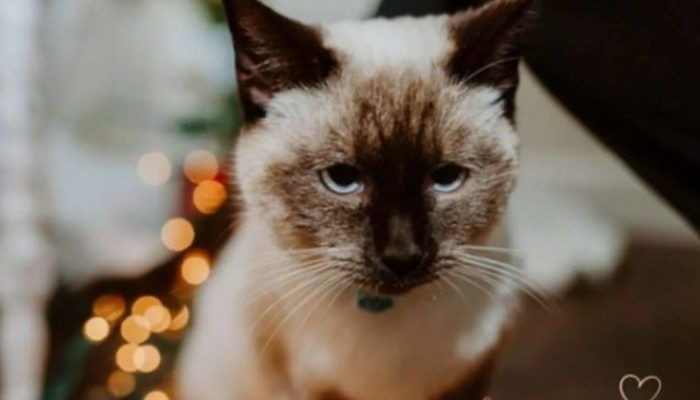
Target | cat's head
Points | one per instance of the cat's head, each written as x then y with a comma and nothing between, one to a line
390,142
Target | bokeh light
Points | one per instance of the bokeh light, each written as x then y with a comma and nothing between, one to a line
158,318
96,329
156,395
208,196
109,307
125,357
142,304
154,168
180,319
120,383
195,267
135,329
177,234
147,358
201,166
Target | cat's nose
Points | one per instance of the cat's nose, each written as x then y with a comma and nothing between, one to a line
398,246
402,263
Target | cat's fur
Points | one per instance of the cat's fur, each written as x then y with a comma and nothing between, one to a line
396,98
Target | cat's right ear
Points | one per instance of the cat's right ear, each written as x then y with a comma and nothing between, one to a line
487,41
273,53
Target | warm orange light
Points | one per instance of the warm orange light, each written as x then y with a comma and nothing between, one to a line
156,395
125,357
177,234
158,318
154,168
195,267
201,166
96,329
180,319
135,329
208,196
142,304
121,384
109,307
147,358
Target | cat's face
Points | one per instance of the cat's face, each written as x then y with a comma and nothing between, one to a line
386,141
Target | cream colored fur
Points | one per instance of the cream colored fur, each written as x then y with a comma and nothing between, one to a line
424,345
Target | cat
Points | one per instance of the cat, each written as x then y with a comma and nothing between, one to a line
371,261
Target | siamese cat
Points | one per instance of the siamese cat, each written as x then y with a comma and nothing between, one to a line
371,260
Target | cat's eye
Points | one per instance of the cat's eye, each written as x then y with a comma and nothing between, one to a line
448,178
342,179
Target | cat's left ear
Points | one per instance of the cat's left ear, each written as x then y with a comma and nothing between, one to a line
487,41
273,53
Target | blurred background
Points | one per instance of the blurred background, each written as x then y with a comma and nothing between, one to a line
133,113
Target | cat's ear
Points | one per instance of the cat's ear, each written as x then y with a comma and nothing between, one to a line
487,41
273,53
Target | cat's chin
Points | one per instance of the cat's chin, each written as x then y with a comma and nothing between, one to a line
396,287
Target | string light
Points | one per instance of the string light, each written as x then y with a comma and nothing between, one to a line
121,384
148,314
180,319
96,329
195,267
156,395
154,168
177,234
135,329
158,318
142,304
201,166
147,358
125,357
208,196
109,307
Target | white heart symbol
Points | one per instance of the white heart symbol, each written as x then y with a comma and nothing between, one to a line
640,383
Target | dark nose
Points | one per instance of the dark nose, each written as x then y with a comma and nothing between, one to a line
402,264
399,251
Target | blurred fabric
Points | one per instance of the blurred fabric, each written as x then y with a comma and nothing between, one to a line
628,70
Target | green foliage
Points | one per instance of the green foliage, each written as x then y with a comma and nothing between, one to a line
216,10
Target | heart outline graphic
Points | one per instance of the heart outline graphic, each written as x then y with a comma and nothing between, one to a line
640,384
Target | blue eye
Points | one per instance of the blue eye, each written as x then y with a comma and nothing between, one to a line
342,179
448,178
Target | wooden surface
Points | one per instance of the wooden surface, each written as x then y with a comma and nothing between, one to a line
646,321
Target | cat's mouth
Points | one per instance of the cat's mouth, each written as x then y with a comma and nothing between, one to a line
392,286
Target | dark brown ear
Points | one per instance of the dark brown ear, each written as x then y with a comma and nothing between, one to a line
273,53
487,43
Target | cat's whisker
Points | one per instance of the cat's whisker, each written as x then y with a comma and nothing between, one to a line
290,278
493,282
331,287
345,284
281,299
469,279
451,284
280,264
281,272
308,252
517,279
322,288
487,67
500,265
493,249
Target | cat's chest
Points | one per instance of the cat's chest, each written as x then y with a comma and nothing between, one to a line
415,351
